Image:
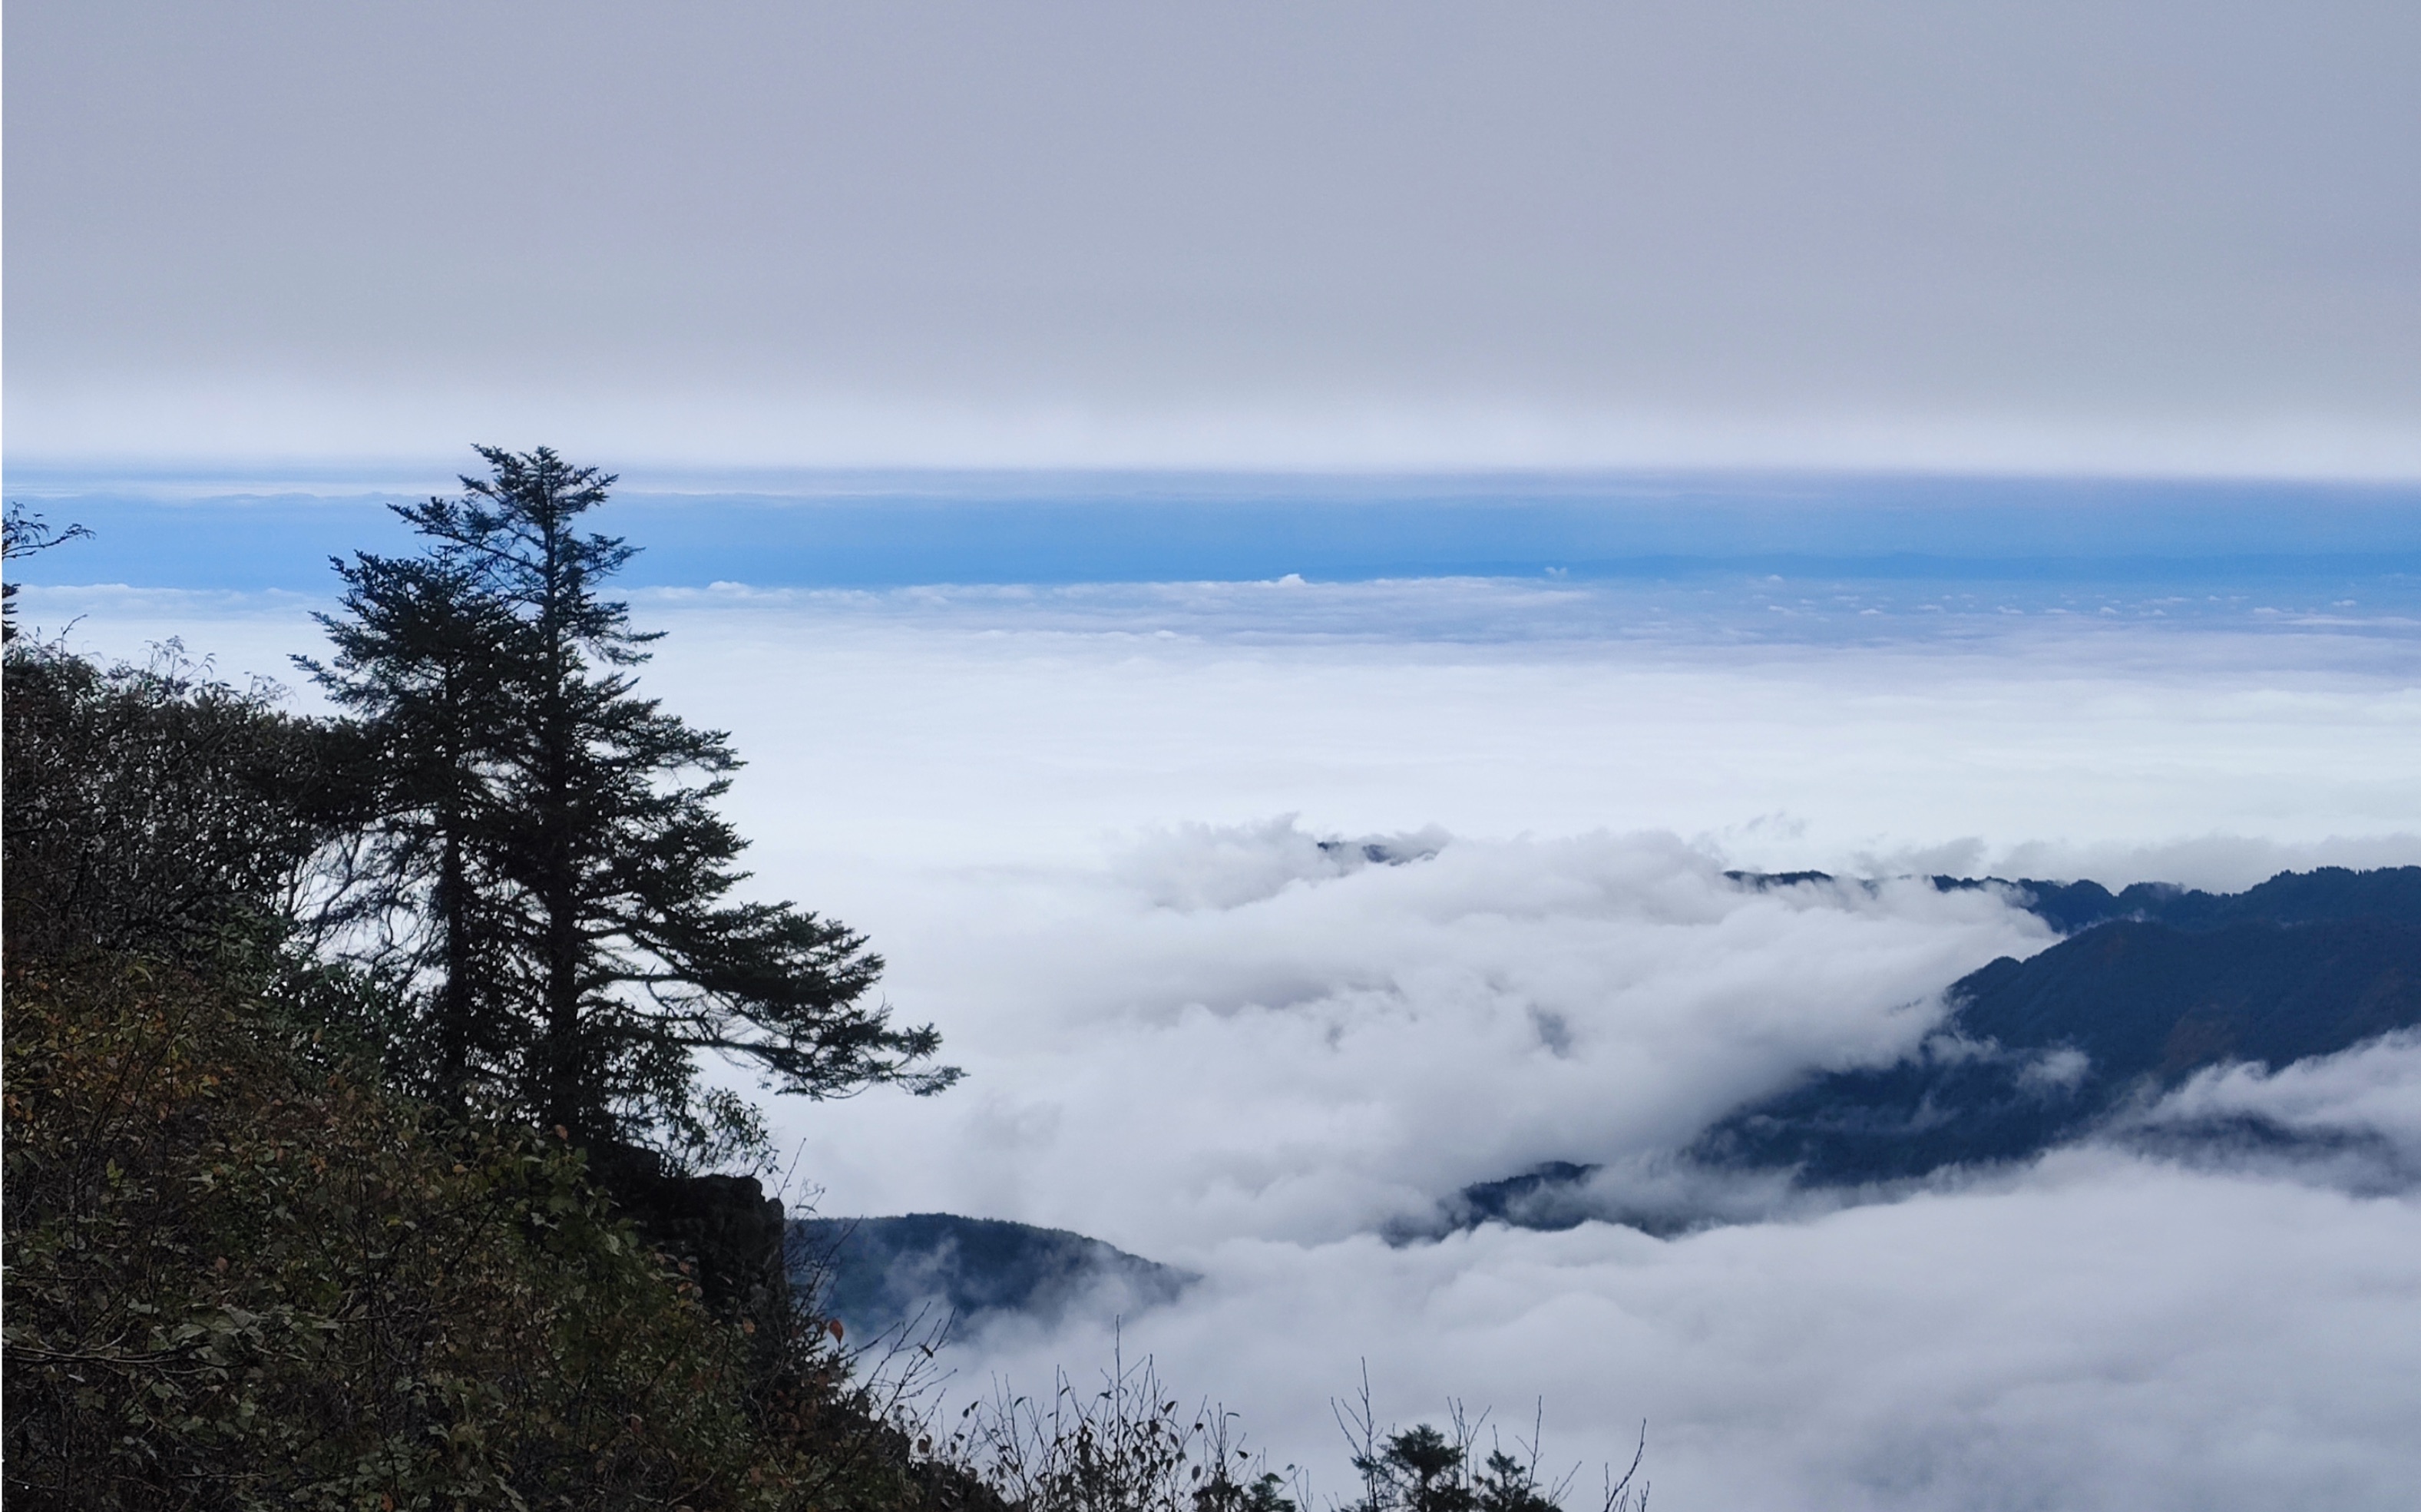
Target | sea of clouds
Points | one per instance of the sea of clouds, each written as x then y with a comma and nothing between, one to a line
1238,1053
1265,916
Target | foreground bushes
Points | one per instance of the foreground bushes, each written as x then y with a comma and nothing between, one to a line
159,809
1129,1447
240,1277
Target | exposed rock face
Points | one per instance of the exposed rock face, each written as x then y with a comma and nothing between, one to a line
723,1227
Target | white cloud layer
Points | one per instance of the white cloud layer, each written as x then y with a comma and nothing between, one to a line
2375,1089
2353,1119
940,727
1304,1056
2099,1332
1227,1050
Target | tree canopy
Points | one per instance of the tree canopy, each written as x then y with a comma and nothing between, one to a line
549,855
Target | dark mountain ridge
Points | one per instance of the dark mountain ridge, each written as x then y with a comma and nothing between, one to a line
2324,894
2037,1051
2153,984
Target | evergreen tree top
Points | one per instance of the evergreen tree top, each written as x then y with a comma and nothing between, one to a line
516,528
548,839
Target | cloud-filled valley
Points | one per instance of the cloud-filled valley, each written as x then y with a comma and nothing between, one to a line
1283,1060
2098,1331
1243,1034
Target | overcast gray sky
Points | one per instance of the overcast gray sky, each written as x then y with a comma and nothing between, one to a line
2129,234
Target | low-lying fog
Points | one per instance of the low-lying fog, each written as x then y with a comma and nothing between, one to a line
1089,839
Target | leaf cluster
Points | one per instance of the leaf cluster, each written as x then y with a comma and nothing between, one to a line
24,533
159,809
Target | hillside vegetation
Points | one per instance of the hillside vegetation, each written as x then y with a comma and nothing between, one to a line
249,1266
242,1275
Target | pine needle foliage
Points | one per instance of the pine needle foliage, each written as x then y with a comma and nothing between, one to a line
555,831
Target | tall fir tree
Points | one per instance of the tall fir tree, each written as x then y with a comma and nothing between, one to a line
424,658
563,832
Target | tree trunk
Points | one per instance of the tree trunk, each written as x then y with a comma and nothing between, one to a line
454,1006
560,892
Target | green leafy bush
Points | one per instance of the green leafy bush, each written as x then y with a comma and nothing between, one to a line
160,809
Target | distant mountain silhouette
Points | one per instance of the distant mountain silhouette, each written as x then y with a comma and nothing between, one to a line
2329,893
1550,1195
877,1273
2153,984
2036,1050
